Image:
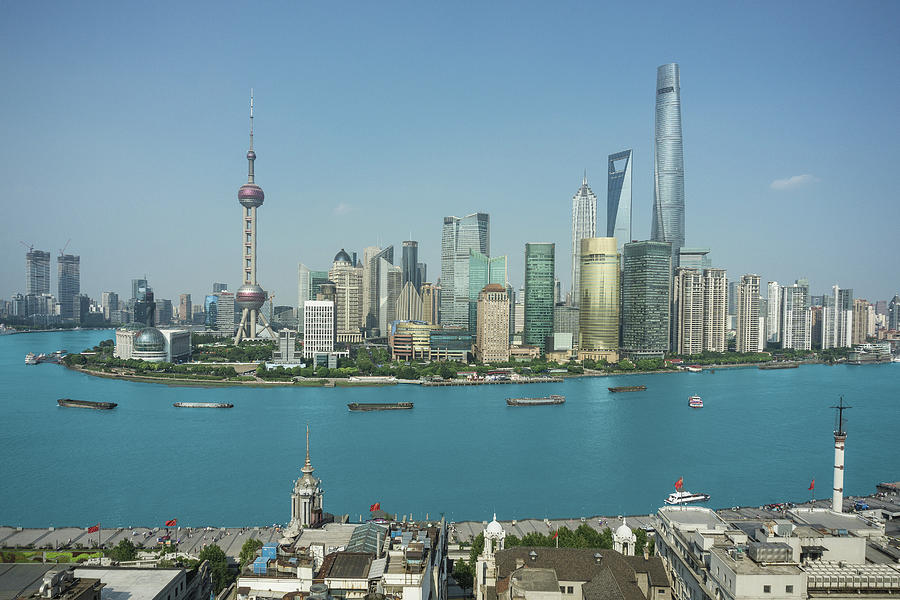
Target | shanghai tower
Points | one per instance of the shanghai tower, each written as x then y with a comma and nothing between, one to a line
668,162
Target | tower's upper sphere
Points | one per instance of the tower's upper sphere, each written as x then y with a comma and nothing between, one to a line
251,195
250,296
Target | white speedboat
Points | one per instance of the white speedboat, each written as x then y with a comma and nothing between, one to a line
695,402
31,359
686,498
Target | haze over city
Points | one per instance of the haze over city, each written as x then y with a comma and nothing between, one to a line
126,132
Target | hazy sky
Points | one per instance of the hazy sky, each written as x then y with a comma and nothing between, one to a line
125,129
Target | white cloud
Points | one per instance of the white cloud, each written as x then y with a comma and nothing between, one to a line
342,209
793,182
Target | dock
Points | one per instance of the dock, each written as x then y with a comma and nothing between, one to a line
493,381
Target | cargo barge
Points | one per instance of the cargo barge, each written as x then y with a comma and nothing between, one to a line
203,405
368,406
785,365
552,399
86,404
628,388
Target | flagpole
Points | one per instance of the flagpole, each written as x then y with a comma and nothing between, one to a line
99,534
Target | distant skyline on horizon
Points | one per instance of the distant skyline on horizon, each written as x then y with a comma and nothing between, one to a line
135,149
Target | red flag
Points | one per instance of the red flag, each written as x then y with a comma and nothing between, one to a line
812,484
94,529
679,483
374,507
171,522
555,535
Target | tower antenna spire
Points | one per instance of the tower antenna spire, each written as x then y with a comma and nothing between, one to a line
251,119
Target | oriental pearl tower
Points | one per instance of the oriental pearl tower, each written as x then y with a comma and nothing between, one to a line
250,296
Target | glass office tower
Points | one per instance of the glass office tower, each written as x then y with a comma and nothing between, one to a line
540,262
482,271
668,162
584,225
598,300
618,199
646,299
458,237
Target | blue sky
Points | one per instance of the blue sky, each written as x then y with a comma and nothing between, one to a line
125,130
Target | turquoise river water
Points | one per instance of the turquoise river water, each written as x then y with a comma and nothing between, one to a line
761,437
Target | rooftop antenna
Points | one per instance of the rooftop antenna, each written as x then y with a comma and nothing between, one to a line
839,418
251,119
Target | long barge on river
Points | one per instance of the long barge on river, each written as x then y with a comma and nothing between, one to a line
779,365
552,399
70,403
628,388
369,406
203,405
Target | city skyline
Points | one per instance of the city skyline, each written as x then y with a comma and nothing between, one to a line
311,217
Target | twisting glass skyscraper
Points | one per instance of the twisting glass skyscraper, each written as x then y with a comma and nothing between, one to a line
584,225
618,199
668,162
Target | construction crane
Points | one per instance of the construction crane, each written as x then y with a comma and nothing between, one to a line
62,250
29,246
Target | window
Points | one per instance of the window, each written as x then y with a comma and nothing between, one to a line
570,590
767,589
789,589
660,591
562,589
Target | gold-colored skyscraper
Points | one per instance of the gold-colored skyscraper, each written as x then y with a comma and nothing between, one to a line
598,300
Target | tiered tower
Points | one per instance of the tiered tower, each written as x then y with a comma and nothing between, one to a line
250,296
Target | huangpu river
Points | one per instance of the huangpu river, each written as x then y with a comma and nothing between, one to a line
461,452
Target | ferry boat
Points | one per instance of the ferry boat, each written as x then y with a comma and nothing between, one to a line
686,498
31,359
369,406
552,399
203,405
628,388
778,365
69,402
695,402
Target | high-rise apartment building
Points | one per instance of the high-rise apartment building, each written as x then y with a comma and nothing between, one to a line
409,262
618,199
184,308
688,300
668,161
747,334
458,237
598,300
860,321
37,272
492,328
584,225
483,270
837,319
347,280
773,312
795,329
646,299
715,301
318,327
69,286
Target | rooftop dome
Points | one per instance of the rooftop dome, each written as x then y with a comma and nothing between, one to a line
342,256
494,529
624,531
150,339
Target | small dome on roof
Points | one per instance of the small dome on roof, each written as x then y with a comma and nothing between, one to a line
342,256
494,529
624,531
